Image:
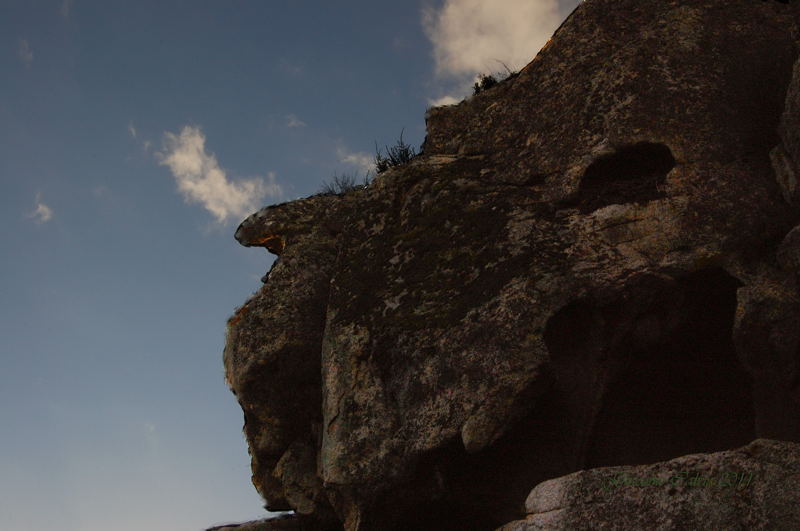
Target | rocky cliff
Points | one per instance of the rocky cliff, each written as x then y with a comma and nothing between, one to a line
593,263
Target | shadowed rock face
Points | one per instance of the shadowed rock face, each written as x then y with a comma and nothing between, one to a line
591,264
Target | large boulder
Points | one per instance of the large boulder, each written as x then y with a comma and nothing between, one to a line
753,487
584,268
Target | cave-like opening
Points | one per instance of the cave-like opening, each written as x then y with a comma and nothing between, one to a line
678,387
630,174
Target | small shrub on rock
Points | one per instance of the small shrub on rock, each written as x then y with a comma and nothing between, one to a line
484,82
341,184
487,81
396,155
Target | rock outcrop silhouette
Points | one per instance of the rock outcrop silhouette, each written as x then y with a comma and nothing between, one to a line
593,263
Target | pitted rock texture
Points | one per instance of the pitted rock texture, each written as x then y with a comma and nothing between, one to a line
590,264
753,487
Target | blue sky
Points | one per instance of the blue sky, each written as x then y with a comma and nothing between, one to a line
134,137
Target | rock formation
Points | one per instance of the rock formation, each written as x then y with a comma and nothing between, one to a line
593,263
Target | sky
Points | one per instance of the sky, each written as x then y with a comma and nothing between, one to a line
134,137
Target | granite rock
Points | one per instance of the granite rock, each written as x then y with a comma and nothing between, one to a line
583,268
753,487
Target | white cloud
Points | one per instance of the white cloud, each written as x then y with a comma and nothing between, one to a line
201,180
444,100
294,121
470,37
66,7
131,130
363,161
42,213
25,53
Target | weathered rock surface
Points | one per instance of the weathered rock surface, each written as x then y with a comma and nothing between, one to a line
591,264
753,487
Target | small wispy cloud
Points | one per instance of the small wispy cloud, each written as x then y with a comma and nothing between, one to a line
150,435
134,133
101,191
66,7
399,43
201,180
41,213
290,68
25,53
294,121
364,162
471,37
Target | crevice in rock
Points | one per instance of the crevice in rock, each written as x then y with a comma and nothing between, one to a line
630,174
